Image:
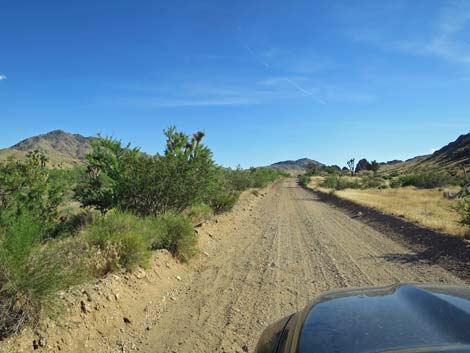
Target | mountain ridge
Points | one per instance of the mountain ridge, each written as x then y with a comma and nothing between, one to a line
61,148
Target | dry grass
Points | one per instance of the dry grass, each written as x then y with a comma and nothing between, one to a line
426,207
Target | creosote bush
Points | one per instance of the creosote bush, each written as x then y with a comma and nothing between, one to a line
32,272
176,235
122,242
199,213
428,180
303,180
464,210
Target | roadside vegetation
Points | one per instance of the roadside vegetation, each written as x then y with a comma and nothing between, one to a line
432,198
60,227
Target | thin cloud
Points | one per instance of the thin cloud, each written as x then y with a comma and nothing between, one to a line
303,90
445,40
2,77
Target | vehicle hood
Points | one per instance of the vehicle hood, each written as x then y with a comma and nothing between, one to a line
401,318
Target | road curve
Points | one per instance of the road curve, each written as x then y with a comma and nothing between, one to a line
270,262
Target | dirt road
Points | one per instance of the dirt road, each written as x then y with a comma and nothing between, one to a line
269,262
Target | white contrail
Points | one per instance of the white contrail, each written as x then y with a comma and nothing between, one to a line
292,83
303,90
2,77
257,58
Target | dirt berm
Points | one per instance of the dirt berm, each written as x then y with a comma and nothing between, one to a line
265,259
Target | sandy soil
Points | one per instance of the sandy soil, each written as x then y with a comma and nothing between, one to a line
270,263
265,259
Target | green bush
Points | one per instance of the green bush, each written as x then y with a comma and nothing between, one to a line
242,179
26,187
330,181
428,180
31,273
343,183
123,241
177,236
372,182
395,183
464,211
303,180
199,213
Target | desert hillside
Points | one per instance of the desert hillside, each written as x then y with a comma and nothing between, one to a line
62,148
294,166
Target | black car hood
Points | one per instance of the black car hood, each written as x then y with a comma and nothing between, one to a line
400,318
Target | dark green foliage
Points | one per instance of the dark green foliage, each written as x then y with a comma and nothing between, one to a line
312,169
242,179
303,180
123,178
31,273
395,183
199,213
343,183
330,182
105,170
221,197
122,240
26,187
427,180
331,169
464,211
177,236
374,166
373,181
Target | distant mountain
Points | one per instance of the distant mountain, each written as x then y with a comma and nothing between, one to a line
62,148
455,153
298,166
449,158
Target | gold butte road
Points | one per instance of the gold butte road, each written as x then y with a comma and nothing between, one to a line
270,261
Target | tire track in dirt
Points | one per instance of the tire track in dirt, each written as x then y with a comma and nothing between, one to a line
271,263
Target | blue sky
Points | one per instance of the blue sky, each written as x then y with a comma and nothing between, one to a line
267,80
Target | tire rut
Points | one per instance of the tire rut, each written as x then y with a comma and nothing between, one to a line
291,248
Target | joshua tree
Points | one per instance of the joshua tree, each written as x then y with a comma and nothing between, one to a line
374,166
351,165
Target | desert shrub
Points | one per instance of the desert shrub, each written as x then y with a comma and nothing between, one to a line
427,180
330,181
241,179
343,183
223,201
101,185
121,177
394,174
395,183
464,211
31,273
372,182
199,213
26,187
263,176
177,236
303,180
122,240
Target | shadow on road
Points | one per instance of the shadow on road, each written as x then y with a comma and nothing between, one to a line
428,256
